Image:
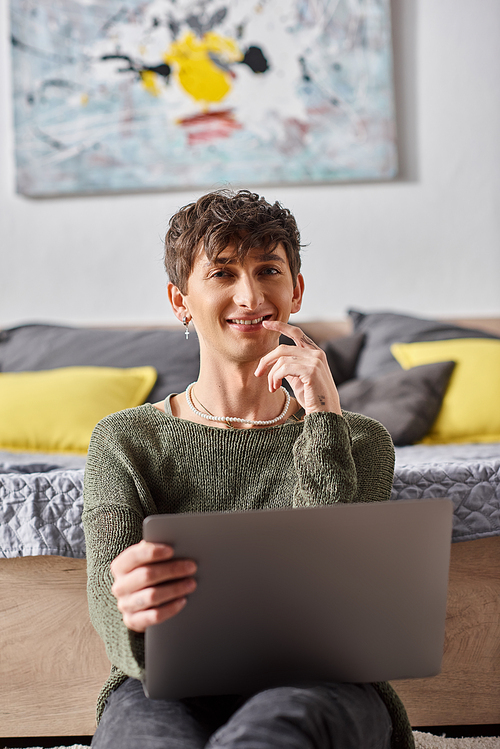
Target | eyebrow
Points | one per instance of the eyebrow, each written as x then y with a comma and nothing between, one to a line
263,258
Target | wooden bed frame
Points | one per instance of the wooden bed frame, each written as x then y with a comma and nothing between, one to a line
53,662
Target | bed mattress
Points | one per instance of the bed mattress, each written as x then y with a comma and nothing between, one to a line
41,503
468,474
41,497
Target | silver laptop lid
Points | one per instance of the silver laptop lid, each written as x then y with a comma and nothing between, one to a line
345,592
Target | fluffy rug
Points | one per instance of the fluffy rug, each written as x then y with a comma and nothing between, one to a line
428,741
422,741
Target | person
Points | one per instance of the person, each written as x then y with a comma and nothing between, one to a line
235,440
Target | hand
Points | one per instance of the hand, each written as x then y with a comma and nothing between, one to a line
150,585
304,366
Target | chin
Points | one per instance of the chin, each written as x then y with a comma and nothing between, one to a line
259,350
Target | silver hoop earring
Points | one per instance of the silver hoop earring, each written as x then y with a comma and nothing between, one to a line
185,322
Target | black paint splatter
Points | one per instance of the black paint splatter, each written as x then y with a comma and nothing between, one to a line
136,67
200,26
163,69
174,27
305,73
131,65
256,60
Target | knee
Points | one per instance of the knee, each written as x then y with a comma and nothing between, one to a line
324,712
288,702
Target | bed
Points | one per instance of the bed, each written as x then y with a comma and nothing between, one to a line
53,663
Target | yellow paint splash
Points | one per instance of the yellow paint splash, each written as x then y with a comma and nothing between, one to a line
149,81
198,75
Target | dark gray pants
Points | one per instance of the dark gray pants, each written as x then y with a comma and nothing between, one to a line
333,716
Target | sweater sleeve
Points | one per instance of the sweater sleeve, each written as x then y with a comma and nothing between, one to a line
348,458
116,501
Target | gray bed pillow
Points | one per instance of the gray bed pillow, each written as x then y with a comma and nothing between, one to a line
406,401
342,354
35,347
382,329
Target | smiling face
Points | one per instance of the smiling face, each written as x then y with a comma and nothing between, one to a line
228,300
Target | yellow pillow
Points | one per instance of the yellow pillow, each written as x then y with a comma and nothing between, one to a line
56,410
470,411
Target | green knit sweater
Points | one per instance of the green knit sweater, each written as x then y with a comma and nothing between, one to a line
143,462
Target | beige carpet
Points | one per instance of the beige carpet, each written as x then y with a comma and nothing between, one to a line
428,741
422,741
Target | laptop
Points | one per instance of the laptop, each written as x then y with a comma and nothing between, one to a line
344,592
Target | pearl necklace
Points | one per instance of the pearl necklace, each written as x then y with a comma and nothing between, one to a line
228,419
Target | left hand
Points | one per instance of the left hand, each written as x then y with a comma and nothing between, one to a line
304,366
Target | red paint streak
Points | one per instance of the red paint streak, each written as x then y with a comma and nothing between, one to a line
321,110
295,135
205,128
299,128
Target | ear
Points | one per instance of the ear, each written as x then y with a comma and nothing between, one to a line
178,302
298,293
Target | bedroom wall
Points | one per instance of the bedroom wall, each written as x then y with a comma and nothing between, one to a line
428,242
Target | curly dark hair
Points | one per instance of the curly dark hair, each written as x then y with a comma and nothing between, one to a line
243,220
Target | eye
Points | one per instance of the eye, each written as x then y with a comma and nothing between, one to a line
221,273
271,271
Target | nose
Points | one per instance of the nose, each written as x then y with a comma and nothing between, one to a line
247,292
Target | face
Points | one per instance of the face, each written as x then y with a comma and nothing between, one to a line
228,300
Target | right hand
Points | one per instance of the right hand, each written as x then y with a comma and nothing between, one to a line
150,584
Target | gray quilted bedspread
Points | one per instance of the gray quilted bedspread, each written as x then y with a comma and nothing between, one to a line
41,499
41,502
468,474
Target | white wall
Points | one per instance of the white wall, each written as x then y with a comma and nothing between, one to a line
427,243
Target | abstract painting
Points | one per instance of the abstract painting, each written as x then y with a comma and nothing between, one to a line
128,95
